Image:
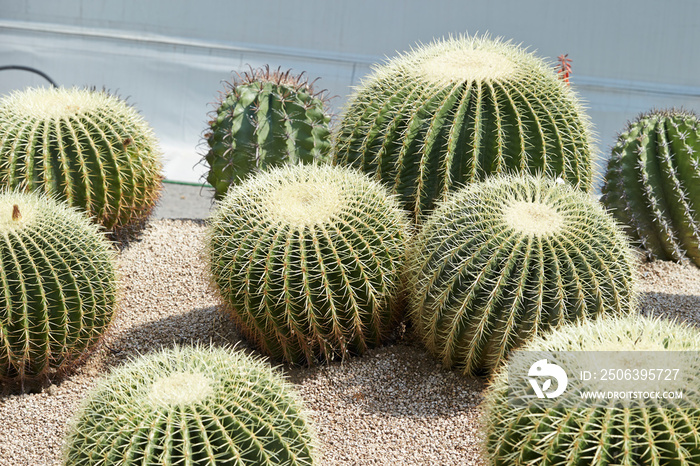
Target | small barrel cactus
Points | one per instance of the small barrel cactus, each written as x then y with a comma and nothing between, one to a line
652,183
574,430
308,260
457,110
87,147
265,119
57,276
501,260
191,406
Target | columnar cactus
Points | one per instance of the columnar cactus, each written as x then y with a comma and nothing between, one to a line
307,259
191,406
58,287
571,430
265,119
87,147
457,110
502,260
652,183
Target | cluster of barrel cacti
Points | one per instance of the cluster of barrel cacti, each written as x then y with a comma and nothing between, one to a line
76,166
471,141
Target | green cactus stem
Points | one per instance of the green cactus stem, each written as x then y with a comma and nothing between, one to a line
58,288
571,430
191,406
458,110
652,184
308,261
265,119
86,147
502,260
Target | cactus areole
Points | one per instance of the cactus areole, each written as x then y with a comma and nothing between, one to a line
652,184
458,110
86,147
265,119
308,261
57,288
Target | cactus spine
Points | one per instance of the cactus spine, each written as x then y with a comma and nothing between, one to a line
191,406
307,259
653,183
87,147
58,287
521,429
458,110
265,119
502,260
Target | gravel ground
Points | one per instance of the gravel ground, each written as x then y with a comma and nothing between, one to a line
393,406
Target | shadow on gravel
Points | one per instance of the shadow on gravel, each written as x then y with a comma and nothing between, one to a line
683,307
202,326
399,380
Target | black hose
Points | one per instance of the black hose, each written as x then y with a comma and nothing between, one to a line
30,69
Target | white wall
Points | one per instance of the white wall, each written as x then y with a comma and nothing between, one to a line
170,56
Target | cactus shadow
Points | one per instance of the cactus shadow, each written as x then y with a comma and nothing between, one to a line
396,380
400,380
681,307
205,326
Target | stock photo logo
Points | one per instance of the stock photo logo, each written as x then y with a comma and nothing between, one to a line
542,369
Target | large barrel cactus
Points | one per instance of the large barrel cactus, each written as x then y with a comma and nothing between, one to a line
265,119
652,184
457,110
652,362
87,147
191,406
502,260
308,260
57,287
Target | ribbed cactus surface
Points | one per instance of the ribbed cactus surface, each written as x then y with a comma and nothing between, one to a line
57,287
265,119
458,110
191,406
647,427
652,184
502,260
87,147
308,260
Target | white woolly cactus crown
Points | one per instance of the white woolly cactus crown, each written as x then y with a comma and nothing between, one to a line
460,59
56,103
306,204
